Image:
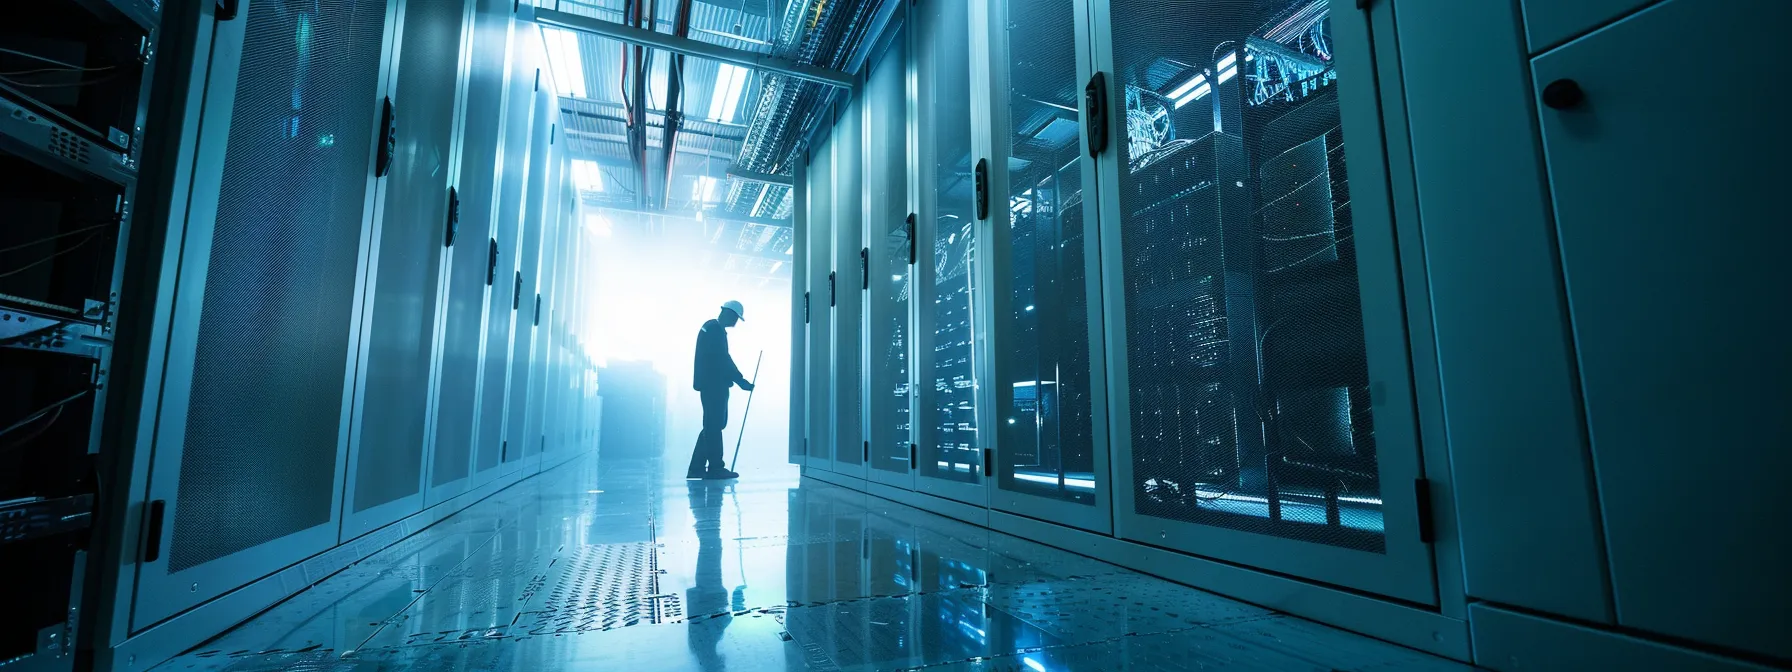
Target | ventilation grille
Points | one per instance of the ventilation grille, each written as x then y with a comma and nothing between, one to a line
261,431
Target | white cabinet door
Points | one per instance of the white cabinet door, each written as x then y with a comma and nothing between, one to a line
1669,188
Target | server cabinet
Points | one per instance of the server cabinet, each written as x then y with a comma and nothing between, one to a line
823,289
536,217
950,457
559,201
1263,410
472,198
799,316
521,80
1050,439
255,400
852,277
409,249
888,242
1670,231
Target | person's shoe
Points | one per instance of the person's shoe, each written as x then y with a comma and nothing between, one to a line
721,475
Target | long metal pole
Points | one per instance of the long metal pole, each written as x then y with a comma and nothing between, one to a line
749,409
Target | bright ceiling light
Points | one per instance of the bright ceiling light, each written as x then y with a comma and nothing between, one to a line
724,100
1228,73
703,189
754,211
1199,93
1177,93
565,62
586,177
1228,60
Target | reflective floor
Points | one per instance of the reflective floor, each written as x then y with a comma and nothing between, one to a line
626,566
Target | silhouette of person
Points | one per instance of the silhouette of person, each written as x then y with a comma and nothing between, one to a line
713,374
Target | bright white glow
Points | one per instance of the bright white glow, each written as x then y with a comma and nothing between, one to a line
724,98
594,492
586,177
703,189
1185,86
1079,483
1011,421
792,250
598,224
1228,61
777,265
1035,665
896,278
1228,74
1199,93
565,62
1029,309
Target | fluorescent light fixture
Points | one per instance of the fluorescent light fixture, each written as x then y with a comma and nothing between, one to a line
1199,93
724,97
1078,483
586,177
1033,665
1185,86
1228,73
1228,60
564,61
777,265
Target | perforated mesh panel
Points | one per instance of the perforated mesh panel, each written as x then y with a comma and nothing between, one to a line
261,430
1044,396
946,370
390,462
1248,379
887,303
467,291
513,173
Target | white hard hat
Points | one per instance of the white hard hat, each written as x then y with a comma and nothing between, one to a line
738,310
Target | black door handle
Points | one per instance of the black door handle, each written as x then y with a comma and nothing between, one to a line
516,298
833,295
453,218
1095,98
226,10
911,239
865,268
982,185
491,265
988,458
805,307
389,139
152,531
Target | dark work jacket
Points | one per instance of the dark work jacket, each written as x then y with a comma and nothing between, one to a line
714,369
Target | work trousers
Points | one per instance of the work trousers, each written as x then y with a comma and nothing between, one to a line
707,456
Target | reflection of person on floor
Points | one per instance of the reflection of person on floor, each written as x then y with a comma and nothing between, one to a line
712,375
707,596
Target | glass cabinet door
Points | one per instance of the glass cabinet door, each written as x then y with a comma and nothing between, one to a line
1050,429
1261,415
950,454
887,334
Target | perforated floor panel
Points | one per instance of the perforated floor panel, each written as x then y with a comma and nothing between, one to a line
632,568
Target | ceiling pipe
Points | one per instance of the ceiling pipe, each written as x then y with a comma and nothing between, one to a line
681,27
636,97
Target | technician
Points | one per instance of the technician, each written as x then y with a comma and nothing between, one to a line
713,375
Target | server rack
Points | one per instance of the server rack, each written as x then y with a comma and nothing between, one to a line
888,238
76,82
